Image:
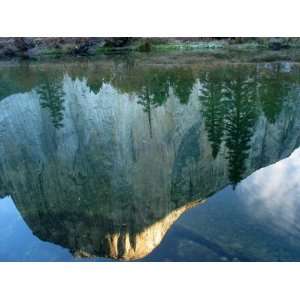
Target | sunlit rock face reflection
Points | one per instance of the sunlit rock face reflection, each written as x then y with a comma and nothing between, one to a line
103,158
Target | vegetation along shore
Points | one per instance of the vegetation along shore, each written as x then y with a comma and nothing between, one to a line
39,47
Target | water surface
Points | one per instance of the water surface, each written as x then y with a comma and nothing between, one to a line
154,159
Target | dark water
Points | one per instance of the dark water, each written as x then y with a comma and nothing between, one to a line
149,158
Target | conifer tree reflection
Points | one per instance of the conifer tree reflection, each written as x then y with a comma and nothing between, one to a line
95,83
52,98
153,94
240,116
182,81
213,108
273,88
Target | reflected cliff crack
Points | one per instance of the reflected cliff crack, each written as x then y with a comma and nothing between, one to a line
188,234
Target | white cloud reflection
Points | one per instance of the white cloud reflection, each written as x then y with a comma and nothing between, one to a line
274,191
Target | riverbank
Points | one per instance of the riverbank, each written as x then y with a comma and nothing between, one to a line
36,48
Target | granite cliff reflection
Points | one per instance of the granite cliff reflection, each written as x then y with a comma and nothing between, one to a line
105,170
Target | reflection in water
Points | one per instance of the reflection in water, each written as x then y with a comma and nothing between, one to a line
239,122
137,146
182,82
213,103
51,96
17,241
279,195
273,88
153,94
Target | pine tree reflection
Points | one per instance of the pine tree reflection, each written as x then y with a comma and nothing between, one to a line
51,96
240,116
213,108
273,89
153,94
182,81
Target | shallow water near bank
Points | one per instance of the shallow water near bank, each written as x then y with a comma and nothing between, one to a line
149,158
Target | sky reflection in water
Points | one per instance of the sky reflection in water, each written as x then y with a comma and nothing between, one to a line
274,192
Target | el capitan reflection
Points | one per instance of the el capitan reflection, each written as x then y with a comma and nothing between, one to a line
102,160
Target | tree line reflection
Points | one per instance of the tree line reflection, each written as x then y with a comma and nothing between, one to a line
231,99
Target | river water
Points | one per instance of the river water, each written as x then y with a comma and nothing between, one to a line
164,158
